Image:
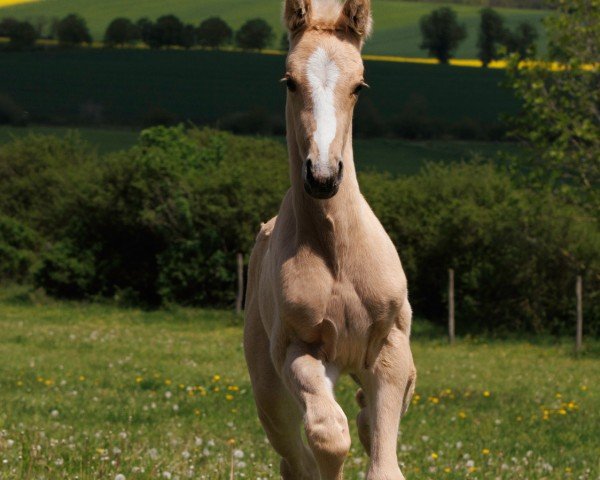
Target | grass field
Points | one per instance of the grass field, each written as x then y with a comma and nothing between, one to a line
383,155
396,22
92,391
125,86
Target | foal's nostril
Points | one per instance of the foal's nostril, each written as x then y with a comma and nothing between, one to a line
319,184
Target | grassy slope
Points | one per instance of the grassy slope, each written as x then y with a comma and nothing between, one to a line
384,155
204,86
396,31
105,391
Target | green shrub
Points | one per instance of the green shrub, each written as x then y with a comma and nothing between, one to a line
163,221
197,272
515,253
17,249
66,271
40,176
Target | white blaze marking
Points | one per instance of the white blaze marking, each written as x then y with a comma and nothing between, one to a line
323,74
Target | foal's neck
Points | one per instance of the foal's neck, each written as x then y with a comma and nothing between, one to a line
326,224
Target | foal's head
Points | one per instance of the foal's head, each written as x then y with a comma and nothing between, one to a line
324,76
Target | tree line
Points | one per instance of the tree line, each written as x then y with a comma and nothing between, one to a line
166,31
442,34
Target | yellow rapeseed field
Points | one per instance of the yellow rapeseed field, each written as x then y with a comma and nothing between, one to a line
10,3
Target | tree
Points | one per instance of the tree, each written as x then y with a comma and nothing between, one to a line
23,35
73,30
441,33
121,31
522,40
255,34
167,32
492,33
560,121
144,26
214,32
7,25
189,37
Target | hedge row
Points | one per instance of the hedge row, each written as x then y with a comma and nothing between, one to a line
162,223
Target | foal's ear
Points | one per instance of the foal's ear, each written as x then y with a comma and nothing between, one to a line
356,16
296,14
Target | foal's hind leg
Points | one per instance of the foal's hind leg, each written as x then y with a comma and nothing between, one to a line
388,386
277,410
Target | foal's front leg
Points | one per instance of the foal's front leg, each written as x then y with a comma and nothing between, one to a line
388,386
311,382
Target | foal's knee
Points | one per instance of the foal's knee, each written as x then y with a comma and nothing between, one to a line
328,434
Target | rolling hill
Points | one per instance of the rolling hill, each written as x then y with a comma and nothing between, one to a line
396,22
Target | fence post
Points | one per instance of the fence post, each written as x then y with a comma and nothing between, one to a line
451,305
579,293
240,277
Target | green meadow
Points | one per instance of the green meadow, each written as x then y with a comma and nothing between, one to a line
396,22
91,391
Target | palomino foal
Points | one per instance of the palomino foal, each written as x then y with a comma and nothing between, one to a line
326,291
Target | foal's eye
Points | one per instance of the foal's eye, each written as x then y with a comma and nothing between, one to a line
359,87
289,82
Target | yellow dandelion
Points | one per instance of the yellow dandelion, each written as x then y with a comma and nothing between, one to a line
216,378
486,451
231,441
196,411
168,382
229,397
434,456
19,383
584,387
434,400
558,395
562,411
49,382
233,388
81,378
472,469
486,393
462,415
138,379
447,470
